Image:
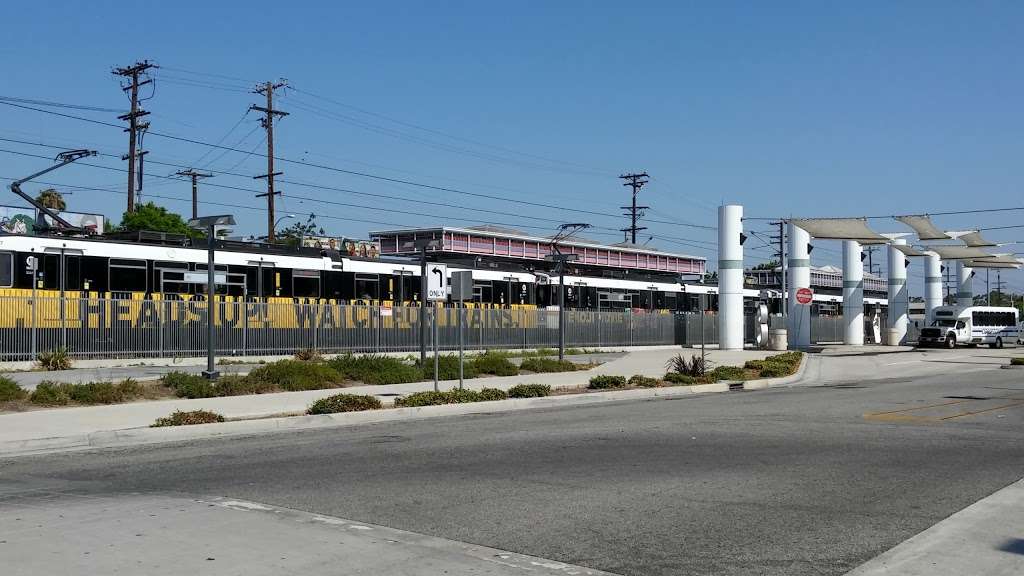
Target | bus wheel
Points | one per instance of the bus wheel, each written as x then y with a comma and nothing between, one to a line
950,342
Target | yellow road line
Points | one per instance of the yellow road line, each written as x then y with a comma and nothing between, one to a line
983,411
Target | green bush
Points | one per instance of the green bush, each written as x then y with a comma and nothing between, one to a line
10,391
677,378
431,398
374,369
49,393
56,359
603,382
488,394
235,385
754,364
187,385
540,364
179,418
1017,361
529,391
103,392
308,355
640,381
344,403
775,370
448,368
728,373
495,363
293,375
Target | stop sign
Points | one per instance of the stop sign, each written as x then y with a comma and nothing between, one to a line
804,296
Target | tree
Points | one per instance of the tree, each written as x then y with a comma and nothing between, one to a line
294,234
149,216
769,265
52,199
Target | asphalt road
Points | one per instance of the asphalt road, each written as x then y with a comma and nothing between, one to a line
805,480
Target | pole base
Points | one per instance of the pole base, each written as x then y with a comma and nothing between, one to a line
778,340
211,374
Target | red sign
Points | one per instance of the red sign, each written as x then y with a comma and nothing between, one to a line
804,296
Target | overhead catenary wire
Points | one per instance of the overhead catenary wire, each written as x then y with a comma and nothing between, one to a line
362,174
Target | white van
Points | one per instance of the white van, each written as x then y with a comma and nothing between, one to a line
952,326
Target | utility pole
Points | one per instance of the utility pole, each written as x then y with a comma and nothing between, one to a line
135,128
195,187
871,259
636,182
782,261
267,121
999,287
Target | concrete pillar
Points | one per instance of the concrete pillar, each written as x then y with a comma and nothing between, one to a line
932,285
853,294
799,276
965,285
730,277
899,298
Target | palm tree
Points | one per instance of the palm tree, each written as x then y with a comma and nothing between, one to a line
51,199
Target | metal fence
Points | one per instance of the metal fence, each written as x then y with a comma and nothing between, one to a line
107,328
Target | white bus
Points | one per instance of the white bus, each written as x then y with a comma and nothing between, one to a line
953,325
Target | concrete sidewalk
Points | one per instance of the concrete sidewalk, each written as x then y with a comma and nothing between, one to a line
37,427
987,537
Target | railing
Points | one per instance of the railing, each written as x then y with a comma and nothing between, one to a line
110,328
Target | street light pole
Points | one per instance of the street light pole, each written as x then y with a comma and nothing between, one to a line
210,224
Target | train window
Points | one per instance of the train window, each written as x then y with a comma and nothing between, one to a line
483,292
93,272
411,288
169,277
306,284
50,272
367,286
333,285
127,275
72,272
6,269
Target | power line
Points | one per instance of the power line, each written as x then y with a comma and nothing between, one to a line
61,105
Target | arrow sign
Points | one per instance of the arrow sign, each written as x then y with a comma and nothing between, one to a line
437,282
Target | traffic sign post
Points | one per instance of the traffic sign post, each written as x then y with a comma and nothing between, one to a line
462,290
437,291
804,296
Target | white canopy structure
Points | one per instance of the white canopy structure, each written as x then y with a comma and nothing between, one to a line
952,252
840,229
909,250
922,224
996,261
974,240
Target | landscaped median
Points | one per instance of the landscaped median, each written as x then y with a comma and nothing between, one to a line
777,366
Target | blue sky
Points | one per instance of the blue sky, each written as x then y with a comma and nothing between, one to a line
801,108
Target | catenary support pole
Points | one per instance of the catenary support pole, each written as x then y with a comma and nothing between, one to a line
730,277
932,285
899,299
853,293
965,285
799,276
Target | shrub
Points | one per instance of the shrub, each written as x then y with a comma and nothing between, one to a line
448,368
187,385
539,364
235,385
495,363
754,364
695,366
640,381
103,392
49,393
10,391
1017,361
293,375
344,403
603,382
529,391
431,398
677,378
374,369
308,355
775,370
488,394
179,418
728,373
56,359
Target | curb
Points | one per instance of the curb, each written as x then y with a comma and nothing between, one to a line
233,428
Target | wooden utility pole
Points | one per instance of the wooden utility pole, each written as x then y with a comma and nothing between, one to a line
133,73
195,187
267,121
636,182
